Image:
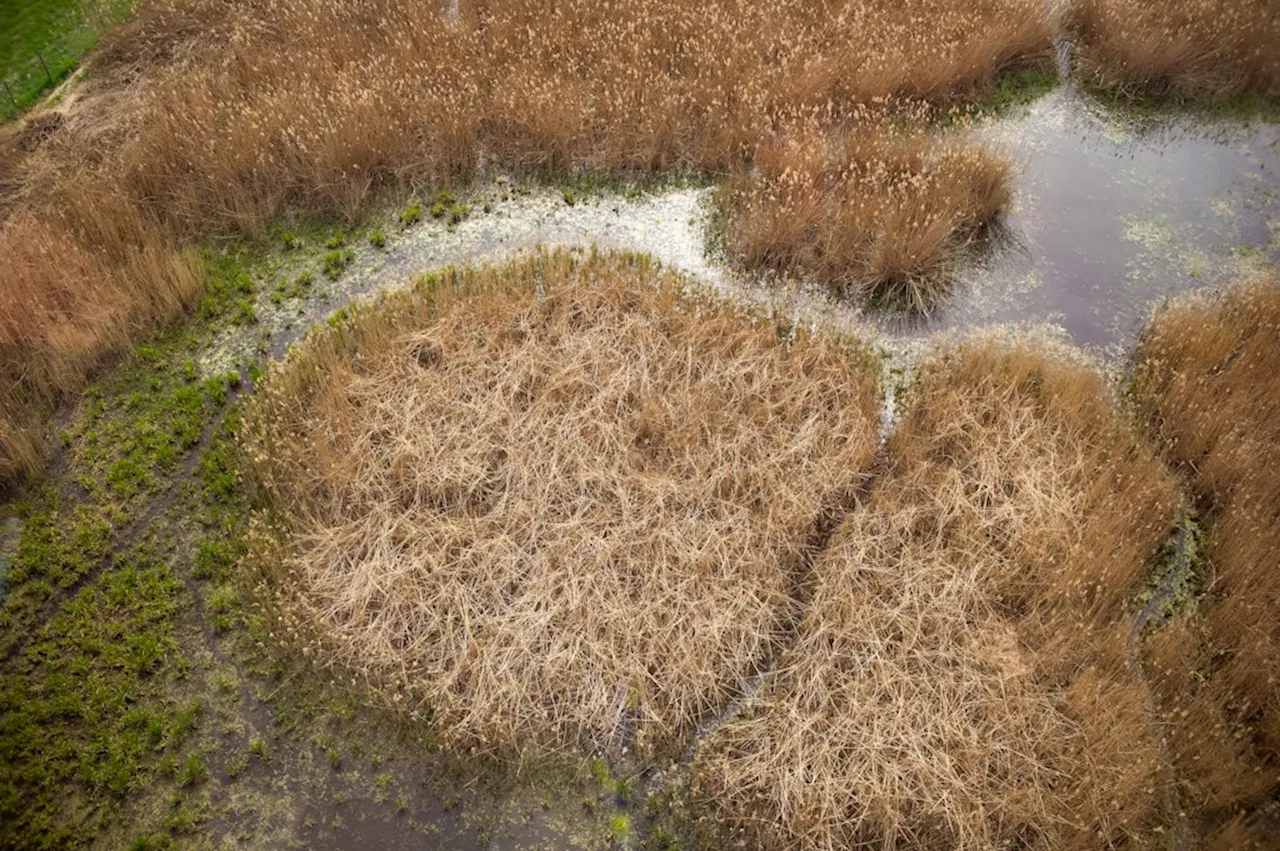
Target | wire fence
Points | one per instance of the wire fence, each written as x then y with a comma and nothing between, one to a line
25,82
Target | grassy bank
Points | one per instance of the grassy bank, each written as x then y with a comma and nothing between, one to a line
43,41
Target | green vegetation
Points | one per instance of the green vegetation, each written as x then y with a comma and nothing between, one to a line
336,261
1017,87
56,33
620,827
227,283
1146,107
97,704
91,704
411,213
337,239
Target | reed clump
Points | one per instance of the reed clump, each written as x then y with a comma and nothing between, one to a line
1203,49
396,90
206,117
875,212
1207,383
556,503
960,679
64,307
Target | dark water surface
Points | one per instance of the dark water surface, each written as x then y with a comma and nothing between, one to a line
1113,219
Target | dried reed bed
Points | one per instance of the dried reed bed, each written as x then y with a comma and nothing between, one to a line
394,91
960,678
64,306
206,116
1207,381
876,211
1186,48
557,503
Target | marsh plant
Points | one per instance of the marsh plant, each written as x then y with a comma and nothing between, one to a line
1207,384
959,679
223,127
878,211
614,484
1204,49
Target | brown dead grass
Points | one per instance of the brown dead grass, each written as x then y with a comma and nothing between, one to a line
876,212
1187,48
393,91
203,116
1209,382
960,681
556,503
64,306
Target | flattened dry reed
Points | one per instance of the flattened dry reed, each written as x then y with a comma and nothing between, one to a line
568,505
1208,381
960,679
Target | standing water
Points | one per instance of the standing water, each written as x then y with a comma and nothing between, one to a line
1109,221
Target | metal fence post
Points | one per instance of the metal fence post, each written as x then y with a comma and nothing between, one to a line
45,67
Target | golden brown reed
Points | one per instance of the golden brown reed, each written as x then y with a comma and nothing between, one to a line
203,116
557,503
875,211
394,91
1208,49
959,680
1208,380
64,306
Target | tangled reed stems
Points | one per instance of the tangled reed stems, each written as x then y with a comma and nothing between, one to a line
1205,49
1207,383
959,680
206,117
876,211
557,503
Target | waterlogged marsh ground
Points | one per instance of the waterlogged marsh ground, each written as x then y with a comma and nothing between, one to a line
1110,220
1112,217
